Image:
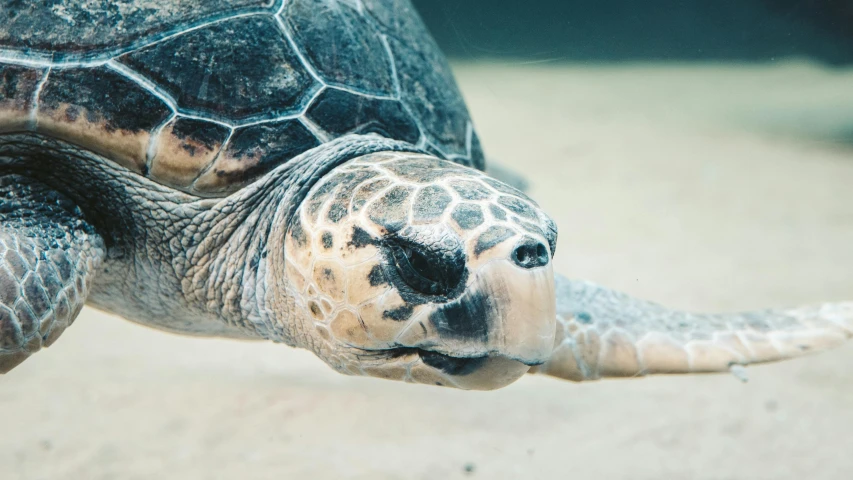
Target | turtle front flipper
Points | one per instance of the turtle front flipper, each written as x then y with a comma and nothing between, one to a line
48,257
602,333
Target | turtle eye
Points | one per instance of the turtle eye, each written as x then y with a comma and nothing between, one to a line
434,269
421,266
416,269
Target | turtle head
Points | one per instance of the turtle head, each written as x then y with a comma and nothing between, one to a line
407,267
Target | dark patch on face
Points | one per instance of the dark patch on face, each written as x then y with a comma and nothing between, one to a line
360,238
105,96
504,188
425,265
423,169
298,232
584,317
399,314
430,203
492,237
328,240
468,215
466,318
451,365
337,211
366,192
497,212
339,112
517,206
235,68
328,274
376,276
315,310
470,190
392,210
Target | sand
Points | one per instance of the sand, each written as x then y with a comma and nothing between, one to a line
713,187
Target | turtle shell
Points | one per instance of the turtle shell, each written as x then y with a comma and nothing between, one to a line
208,96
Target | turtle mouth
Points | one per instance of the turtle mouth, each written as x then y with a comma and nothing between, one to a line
457,366
476,371
451,365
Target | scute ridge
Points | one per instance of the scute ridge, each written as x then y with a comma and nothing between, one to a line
306,68
143,82
98,57
35,101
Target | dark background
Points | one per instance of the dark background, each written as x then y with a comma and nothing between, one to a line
634,30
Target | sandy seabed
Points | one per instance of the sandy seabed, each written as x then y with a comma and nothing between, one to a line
707,187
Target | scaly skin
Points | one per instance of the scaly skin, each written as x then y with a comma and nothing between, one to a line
363,317
48,257
218,267
380,260
602,333
174,261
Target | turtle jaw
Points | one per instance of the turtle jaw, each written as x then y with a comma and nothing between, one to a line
410,268
417,365
505,311
479,373
491,335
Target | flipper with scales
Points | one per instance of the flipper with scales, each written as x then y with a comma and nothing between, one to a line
48,257
602,333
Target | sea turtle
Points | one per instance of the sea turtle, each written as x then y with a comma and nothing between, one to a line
306,172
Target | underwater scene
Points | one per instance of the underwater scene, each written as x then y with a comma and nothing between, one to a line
695,154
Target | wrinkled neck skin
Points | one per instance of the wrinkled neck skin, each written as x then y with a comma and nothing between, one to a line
239,262
175,262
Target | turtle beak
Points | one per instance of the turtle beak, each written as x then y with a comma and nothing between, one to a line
483,373
506,310
502,325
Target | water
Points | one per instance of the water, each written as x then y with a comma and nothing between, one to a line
696,153
619,30
699,154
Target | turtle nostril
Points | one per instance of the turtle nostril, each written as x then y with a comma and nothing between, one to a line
530,254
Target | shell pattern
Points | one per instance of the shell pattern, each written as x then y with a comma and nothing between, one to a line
208,96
